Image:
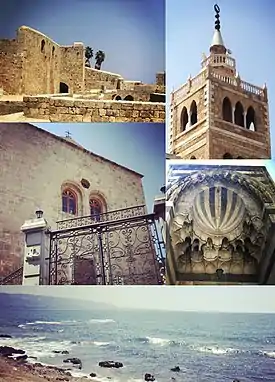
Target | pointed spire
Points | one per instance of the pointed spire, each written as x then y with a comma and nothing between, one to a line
217,45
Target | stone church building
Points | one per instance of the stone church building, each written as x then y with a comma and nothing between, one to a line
220,225
217,114
42,171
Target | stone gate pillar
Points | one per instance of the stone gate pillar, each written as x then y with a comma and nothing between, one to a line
36,264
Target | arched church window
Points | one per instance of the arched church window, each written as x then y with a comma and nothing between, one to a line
239,114
250,119
193,113
183,119
227,110
69,202
95,208
227,156
129,98
42,46
193,157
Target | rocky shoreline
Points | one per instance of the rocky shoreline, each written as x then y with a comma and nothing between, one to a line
15,366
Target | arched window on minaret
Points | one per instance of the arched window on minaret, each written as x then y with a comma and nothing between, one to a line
239,114
250,119
193,113
227,110
227,156
183,119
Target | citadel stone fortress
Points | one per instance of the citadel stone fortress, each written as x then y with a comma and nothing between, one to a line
43,81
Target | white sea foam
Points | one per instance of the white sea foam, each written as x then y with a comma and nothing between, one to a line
101,321
97,343
37,346
216,350
46,323
270,354
158,341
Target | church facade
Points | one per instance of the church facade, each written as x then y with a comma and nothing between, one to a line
220,225
217,114
44,172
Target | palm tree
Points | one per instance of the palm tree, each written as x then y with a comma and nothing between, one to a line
99,58
88,55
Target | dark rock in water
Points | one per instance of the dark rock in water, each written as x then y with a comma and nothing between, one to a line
149,377
176,368
21,358
93,375
61,352
7,351
5,336
74,361
110,364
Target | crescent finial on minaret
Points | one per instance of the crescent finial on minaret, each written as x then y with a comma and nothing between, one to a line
217,16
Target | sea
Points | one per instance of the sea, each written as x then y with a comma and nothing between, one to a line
207,347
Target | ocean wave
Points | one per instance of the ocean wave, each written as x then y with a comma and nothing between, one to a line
157,341
37,347
101,321
46,323
216,350
97,343
269,354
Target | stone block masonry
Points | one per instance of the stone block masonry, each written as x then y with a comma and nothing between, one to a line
61,109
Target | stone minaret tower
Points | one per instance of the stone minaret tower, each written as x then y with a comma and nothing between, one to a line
217,115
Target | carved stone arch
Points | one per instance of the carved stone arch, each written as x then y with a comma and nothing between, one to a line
227,156
251,119
239,114
227,110
129,98
193,113
100,197
183,119
233,181
75,188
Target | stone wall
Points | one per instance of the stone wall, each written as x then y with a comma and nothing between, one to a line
35,164
95,79
75,110
41,62
72,71
10,67
10,107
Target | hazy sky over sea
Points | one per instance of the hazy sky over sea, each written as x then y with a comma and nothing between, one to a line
184,298
130,32
137,146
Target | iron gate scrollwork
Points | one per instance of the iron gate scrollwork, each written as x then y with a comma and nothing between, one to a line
114,248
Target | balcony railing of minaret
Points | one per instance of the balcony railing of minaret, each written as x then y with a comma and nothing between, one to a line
219,60
192,84
238,83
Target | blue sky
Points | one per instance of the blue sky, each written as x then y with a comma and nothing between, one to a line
130,32
252,299
248,31
139,147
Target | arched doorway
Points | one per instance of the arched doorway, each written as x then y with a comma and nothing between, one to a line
128,98
63,88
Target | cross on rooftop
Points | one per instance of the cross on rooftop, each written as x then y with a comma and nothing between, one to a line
68,134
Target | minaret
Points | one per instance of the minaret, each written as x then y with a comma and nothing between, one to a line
216,114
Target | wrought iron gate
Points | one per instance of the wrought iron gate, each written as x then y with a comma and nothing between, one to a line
114,248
